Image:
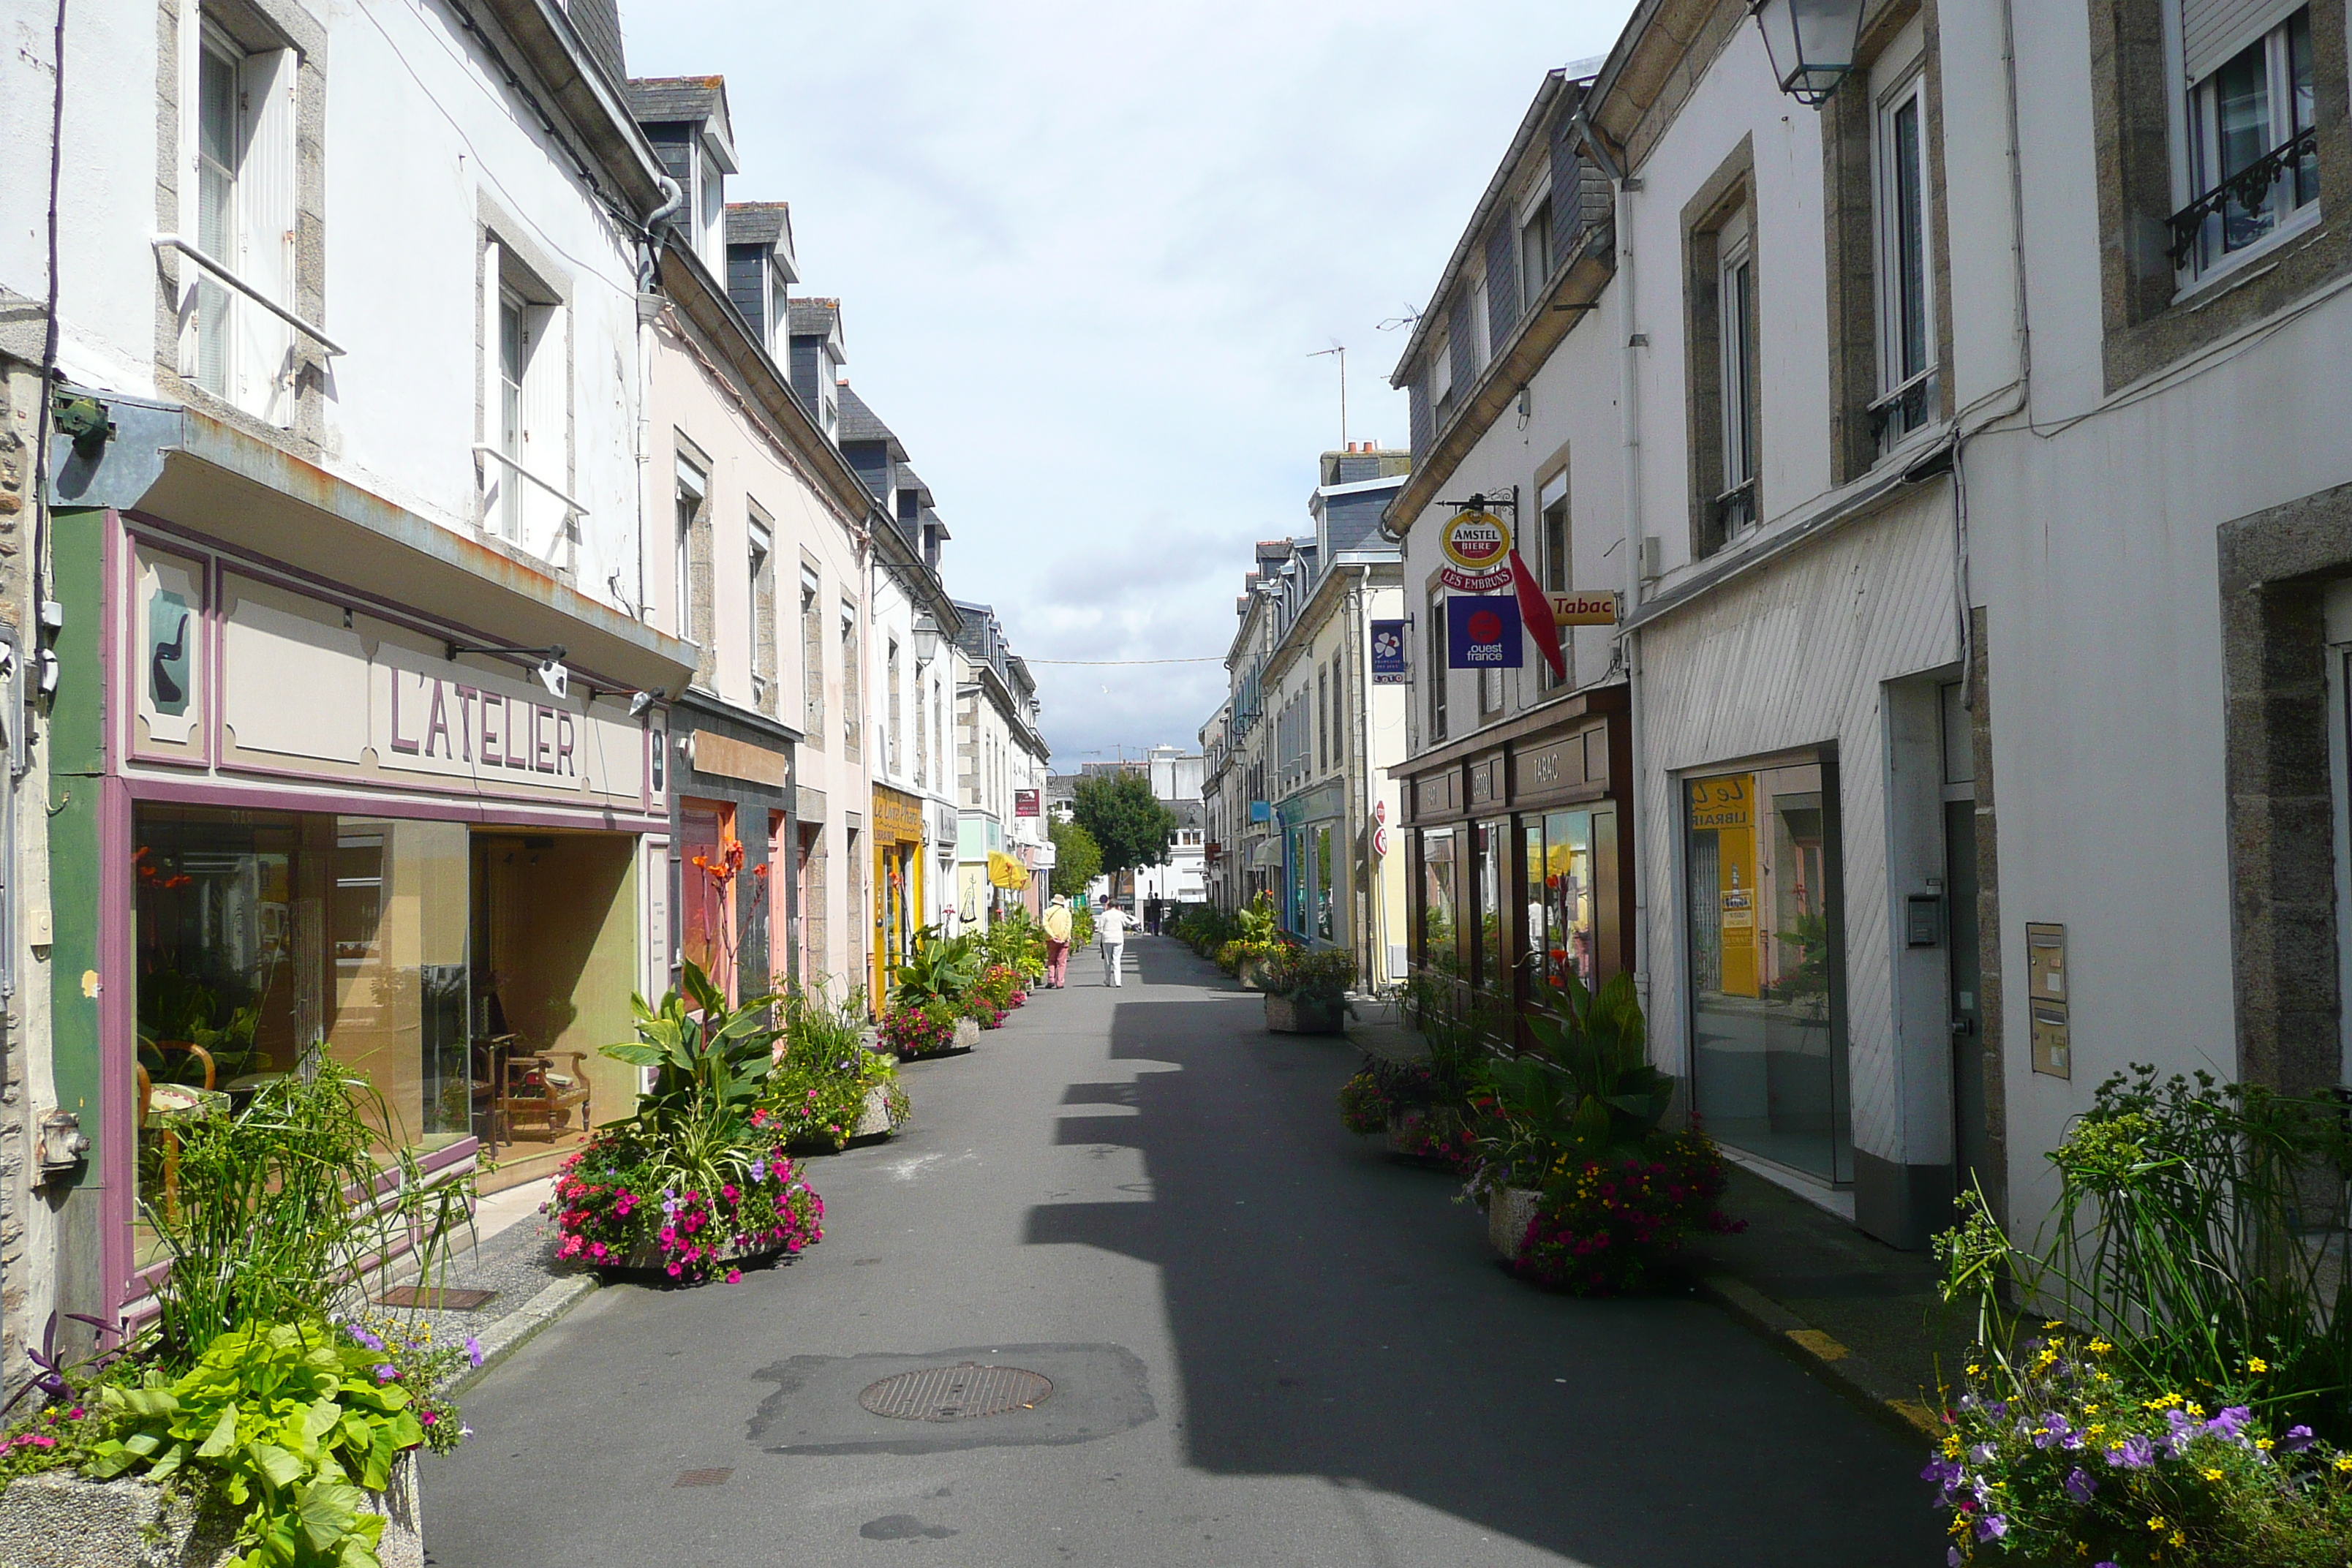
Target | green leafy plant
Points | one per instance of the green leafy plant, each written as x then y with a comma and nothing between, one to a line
1317,974
2181,1235
308,1195
1082,926
938,970
816,1092
292,1423
708,1059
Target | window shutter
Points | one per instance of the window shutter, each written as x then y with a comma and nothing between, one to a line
1502,279
2213,31
264,204
545,411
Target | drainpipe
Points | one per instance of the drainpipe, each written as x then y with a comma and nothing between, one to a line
1623,184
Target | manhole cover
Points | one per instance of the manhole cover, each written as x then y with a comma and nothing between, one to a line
961,1393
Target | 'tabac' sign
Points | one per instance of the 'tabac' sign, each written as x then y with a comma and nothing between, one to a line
1483,633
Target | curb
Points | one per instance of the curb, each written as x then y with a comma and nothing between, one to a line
1852,1375
510,1333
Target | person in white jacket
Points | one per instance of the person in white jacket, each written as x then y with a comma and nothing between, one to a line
1111,930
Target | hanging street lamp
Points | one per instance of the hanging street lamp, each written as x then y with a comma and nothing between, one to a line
1811,43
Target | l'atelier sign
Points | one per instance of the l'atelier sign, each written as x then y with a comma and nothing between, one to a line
490,723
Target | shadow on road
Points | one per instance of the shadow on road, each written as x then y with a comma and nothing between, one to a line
1335,1315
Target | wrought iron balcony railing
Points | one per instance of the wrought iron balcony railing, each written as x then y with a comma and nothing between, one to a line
2251,188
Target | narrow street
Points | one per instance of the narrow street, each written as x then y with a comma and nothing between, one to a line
1268,1344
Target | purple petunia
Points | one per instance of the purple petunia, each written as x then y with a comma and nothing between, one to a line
473,1350
2296,1440
1951,1557
2054,1431
1993,1526
2228,1425
362,1337
2132,1454
759,1172
2079,1484
386,1372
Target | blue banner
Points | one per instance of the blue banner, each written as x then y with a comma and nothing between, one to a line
1483,632
1388,653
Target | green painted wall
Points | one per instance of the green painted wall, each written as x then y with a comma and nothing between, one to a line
76,751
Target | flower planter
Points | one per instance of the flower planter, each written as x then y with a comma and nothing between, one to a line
648,1258
63,1520
966,1034
1252,973
1305,1015
1510,1212
875,1120
1405,1132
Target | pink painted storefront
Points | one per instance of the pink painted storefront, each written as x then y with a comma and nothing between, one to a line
349,817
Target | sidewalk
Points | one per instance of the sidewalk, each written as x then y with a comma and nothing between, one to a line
1856,1312
510,1253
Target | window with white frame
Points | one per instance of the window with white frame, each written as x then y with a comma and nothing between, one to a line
1907,359
812,658
1482,346
241,210
853,692
1736,344
1534,254
1441,371
525,408
2251,135
1552,496
891,761
693,617
761,566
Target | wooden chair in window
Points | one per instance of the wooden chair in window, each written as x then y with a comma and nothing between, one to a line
166,1124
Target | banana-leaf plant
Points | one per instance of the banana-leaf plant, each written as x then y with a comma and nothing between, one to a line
938,970
708,1059
1588,1085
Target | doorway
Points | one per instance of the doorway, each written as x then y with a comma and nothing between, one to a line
1963,967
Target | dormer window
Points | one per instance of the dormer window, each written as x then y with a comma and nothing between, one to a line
710,234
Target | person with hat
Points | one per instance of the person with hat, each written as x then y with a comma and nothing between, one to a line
1058,942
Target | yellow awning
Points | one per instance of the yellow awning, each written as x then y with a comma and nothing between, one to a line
1004,872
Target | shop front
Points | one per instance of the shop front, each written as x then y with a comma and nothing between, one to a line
1315,900
732,785
898,882
334,828
1520,869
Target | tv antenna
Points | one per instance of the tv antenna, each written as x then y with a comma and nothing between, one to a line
1341,349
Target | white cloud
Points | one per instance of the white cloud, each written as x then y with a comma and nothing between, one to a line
1083,253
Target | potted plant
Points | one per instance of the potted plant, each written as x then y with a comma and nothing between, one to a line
1260,941
694,1181
1307,991
825,1087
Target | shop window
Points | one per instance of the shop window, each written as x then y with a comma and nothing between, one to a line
1324,913
1563,935
1435,669
1440,903
265,939
706,898
1766,945
1490,956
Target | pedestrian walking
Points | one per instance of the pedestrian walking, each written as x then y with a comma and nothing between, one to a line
1151,917
1111,931
1058,943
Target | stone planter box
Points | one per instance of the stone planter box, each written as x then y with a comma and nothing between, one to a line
1404,1134
966,1034
1509,1210
1252,973
874,1121
65,1521
1305,1016
647,1259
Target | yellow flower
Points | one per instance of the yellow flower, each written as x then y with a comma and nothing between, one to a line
2177,1538
2344,1464
2196,1411
2095,1429
2256,1363
2156,1521
2212,1475
1975,1371
2053,1323
2264,1444
1951,1445
2100,1347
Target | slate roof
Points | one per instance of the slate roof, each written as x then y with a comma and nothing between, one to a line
813,318
859,423
757,223
659,99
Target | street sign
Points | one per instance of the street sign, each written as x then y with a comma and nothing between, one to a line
1476,541
1388,653
1586,609
1483,632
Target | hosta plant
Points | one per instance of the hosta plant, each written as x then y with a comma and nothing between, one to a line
291,1423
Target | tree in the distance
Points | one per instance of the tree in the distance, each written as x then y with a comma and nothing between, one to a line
1126,819
1077,859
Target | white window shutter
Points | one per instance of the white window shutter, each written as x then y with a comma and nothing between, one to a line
545,418
266,206
495,477
2213,31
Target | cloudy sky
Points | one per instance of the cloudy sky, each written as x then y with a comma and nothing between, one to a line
1083,253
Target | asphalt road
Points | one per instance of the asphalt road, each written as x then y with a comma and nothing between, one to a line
1268,1345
